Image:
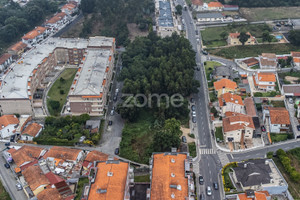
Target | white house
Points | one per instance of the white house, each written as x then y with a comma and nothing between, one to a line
237,128
34,36
31,131
69,8
268,61
5,61
56,21
278,119
264,81
210,17
296,58
8,125
231,103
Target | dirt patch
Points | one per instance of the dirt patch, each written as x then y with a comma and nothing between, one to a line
186,132
134,31
292,79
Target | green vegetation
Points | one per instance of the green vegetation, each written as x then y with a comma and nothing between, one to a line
59,91
217,36
294,37
265,3
225,176
212,96
278,137
278,103
209,68
67,131
113,17
3,193
219,134
145,178
253,50
192,149
80,188
191,135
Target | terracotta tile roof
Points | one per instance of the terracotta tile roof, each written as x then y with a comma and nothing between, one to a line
4,58
162,171
53,179
56,18
215,4
225,83
266,62
197,2
32,129
236,35
11,150
295,54
34,33
68,6
251,61
229,113
269,55
261,195
230,98
296,60
63,153
96,156
237,122
49,194
114,185
266,77
6,120
34,177
18,46
26,154
279,115
250,107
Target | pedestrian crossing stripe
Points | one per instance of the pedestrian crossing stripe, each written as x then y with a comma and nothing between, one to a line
207,151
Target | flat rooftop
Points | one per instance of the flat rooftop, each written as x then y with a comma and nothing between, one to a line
165,18
14,82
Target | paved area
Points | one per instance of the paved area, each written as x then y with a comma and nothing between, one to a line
294,121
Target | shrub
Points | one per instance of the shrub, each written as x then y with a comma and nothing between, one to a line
270,154
258,94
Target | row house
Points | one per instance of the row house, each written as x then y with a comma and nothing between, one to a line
69,8
35,36
17,49
5,61
56,21
224,86
229,102
8,125
31,131
264,81
277,118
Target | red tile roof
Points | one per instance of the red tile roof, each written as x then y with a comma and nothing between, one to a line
68,6
26,154
34,177
49,194
266,77
197,2
230,98
250,107
237,122
63,153
34,33
18,46
259,195
295,54
269,55
56,18
53,179
6,120
296,60
215,4
225,83
32,129
251,61
4,58
279,115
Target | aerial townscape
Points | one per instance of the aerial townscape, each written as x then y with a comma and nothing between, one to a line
149,99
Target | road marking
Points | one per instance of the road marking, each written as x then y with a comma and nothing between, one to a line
207,151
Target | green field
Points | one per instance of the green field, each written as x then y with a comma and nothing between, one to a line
278,137
219,133
60,89
253,50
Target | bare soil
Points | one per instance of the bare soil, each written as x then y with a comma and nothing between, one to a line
186,132
291,79
134,31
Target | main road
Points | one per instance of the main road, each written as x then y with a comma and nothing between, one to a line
209,163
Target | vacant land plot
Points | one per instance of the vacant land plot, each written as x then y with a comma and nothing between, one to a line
209,67
60,89
261,14
278,137
253,50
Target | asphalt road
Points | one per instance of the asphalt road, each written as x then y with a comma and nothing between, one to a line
209,165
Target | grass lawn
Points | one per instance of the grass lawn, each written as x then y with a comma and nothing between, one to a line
212,96
260,14
3,194
145,178
228,183
253,50
278,137
59,90
278,103
137,139
192,149
80,188
209,67
219,133
255,67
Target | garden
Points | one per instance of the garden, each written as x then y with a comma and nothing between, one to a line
228,186
192,149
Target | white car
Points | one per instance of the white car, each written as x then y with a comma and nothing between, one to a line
194,114
208,191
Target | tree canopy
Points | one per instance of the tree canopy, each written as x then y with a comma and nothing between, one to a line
294,37
243,37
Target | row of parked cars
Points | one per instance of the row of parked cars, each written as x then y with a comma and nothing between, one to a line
208,188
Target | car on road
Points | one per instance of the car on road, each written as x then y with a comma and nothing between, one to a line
194,119
298,127
202,197
263,128
204,52
291,101
7,144
216,187
6,165
110,123
192,100
115,98
112,112
183,139
117,151
194,114
193,107
201,180
208,191
19,186
198,68
117,90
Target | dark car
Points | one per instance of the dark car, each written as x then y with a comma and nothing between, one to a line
6,165
7,144
202,196
201,180
117,151
110,123
115,98
194,119
204,52
198,68
263,129
183,139
216,187
298,127
192,100
193,108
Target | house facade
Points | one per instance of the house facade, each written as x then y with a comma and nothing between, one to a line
17,49
268,61
278,119
265,81
197,5
56,21
231,103
296,58
233,39
210,17
8,125
5,61
224,86
213,6
31,131
35,36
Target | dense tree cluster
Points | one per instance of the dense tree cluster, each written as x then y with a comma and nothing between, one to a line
286,162
115,15
16,20
265,3
294,37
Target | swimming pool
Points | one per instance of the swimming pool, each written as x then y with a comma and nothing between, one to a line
278,37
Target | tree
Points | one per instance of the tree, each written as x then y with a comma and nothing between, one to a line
266,37
87,6
294,37
178,10
270,154
54,104
128,110
224,35
34,14
243,37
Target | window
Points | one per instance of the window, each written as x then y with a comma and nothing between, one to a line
270,82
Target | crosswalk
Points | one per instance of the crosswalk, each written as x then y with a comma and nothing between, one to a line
207,151
223,158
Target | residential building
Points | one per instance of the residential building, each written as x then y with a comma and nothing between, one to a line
69,8
171,176
31,131
111,180
268,61
250,107
229,102
222,72
35,36
233,39
249,62
210,17
264,81
197,5
238,128
5,61
277,118
259,175
251,194
58,183
231,8
95,57
36,179
65,154
56,21
224,86
296,58
213,6
27,154
8,125
49,194
291,90
17,49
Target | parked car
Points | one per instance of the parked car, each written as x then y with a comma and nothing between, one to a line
183,139
204,52
117,151
298,127
198,68
216,187
7,144
194,119
291,101
6,165
263,129
201,180
19,186
202,197
192,100
194,114
110,123
115,98
193,108
112,112
208,191
117,90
